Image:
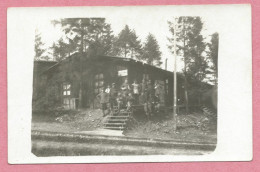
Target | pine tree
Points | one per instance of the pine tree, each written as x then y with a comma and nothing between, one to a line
127,44
213,53
39,47
151,51
135,46
88,33
61,50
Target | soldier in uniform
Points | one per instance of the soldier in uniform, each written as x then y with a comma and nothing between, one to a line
136,91
125,88
104,101
113,95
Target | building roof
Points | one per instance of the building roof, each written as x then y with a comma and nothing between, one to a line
114,58
42,65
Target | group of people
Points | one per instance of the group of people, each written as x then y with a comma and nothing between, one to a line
147,94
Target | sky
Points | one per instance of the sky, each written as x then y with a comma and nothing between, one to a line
156,25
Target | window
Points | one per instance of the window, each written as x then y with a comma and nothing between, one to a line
99,82
66,89
69,103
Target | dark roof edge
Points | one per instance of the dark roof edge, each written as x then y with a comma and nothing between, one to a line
116,58
44,61
137,61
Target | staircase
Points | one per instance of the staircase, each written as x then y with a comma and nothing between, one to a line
117,120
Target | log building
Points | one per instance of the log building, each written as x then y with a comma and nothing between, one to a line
75,81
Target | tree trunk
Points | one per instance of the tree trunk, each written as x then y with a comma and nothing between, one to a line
185,75
81,70
186,93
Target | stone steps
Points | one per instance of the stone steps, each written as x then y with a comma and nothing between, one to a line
117,121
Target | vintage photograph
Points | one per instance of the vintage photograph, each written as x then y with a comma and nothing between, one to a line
101,87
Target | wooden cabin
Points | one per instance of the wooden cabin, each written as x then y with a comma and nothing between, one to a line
62,81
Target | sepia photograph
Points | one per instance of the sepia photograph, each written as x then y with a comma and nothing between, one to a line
129,84
97,91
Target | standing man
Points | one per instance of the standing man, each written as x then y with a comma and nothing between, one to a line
113,95
108,89
157,88
143,86
150,89
125,88
104,100
135,91
129,101
143,101
150,106
120,101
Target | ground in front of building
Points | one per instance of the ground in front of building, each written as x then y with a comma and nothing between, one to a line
189,127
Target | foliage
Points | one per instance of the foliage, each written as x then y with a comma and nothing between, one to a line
87,33
213,52
39,47
191,46
151,51
61,49
127,44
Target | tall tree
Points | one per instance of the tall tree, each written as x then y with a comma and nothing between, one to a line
61,49
101,40
190,46
151,51
39,47
127,44
213,53
87,33
92,35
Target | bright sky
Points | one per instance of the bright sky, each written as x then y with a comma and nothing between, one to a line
156,25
